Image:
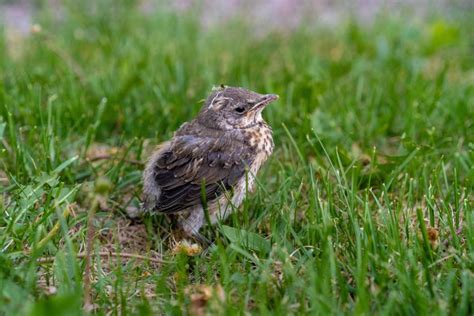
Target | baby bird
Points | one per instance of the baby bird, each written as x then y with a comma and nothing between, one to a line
211,160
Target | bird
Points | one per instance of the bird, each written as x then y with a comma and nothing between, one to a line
211,162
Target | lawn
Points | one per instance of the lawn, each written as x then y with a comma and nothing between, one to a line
365,207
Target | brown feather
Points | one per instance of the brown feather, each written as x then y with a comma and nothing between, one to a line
181,169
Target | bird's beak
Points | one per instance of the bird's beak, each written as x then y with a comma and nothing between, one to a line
264,101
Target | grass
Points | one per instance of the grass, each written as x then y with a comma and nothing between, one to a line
366,206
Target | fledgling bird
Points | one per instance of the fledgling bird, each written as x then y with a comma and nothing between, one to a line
213,158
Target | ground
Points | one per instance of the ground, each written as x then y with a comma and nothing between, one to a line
365,207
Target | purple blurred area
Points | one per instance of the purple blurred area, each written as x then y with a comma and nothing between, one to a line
265,15
16,16
288,14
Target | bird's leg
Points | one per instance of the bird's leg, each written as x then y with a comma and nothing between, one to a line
205,243
191,225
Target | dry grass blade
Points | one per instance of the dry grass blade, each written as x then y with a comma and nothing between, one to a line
109,254
88,254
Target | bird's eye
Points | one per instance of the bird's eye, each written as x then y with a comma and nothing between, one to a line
239,109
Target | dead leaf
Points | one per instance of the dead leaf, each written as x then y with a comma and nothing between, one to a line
98,150
187,248
3,178
201,295
433,236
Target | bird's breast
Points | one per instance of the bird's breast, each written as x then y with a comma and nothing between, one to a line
261,141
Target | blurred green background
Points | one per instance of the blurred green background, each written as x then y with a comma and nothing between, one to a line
365,207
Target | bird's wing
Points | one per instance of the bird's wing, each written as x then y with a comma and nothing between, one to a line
191,162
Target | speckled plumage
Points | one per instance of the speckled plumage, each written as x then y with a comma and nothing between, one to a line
210,155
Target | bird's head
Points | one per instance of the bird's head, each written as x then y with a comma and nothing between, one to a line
230,108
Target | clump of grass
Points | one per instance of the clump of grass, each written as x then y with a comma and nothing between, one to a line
365,207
